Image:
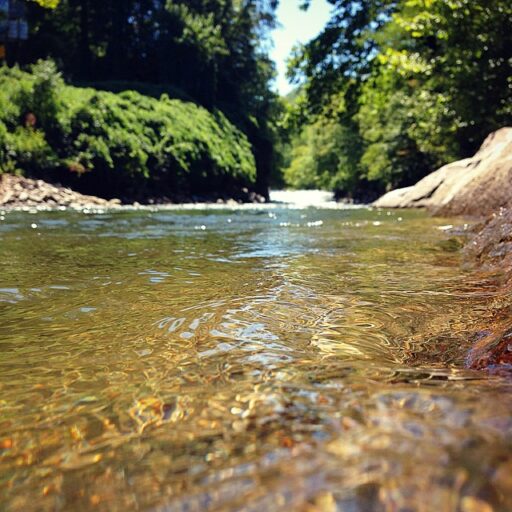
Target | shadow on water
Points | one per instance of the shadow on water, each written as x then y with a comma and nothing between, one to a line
244,359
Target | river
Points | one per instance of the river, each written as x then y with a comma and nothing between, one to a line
303,356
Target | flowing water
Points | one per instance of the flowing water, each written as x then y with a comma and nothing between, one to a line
253,358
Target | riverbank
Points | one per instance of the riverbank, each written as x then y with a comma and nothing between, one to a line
479,188
120,145
17,192
489,251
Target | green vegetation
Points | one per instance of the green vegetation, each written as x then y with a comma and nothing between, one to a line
48,4
392,89
124,144
210,52
387,92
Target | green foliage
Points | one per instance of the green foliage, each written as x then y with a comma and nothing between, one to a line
213,52
457,53
3,148
117,144
41,96
27,150
417,82
48,4
199,31
405,131
322,156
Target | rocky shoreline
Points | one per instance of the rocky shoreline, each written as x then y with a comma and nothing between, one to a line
19,193
480,187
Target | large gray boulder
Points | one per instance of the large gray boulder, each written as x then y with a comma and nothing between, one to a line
473,186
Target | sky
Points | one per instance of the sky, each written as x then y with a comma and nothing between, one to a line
297,26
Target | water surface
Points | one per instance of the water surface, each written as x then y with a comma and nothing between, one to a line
258,358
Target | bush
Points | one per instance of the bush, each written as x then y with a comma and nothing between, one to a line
27,149
123,144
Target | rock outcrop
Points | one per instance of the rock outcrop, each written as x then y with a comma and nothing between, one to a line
18,192
474,186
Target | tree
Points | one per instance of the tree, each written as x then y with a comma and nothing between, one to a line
419,82
213,52
459,49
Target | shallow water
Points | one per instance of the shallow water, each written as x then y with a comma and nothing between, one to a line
259,358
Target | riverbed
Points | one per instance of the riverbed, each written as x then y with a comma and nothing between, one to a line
260,357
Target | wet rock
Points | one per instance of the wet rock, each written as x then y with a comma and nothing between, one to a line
490,249
493,352
18,192
473,186
491,244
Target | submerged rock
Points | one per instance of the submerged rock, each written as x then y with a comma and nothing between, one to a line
473,186
19,192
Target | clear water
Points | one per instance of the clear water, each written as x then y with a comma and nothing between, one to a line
249,359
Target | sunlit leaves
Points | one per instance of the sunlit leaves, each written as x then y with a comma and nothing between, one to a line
422,81
48,4
405,63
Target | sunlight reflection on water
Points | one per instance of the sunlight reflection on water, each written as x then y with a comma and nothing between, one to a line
281,358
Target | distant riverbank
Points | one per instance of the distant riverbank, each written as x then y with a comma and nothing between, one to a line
17,192
120,145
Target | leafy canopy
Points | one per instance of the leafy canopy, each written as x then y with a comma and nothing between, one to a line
211,52
416,82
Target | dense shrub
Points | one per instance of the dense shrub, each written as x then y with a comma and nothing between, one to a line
122,144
